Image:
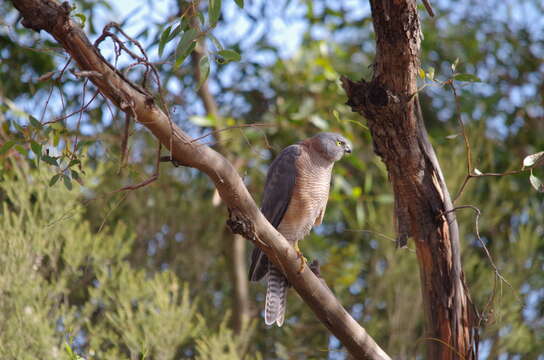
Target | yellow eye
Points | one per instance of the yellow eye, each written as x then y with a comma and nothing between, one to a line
338,143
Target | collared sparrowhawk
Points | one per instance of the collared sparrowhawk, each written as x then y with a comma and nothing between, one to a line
294,200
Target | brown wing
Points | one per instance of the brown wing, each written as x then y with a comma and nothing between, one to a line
278,189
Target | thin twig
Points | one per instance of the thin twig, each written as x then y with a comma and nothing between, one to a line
257,125
483,316
52,87
471,173
83,108
382,235
150,179
428,7
477,230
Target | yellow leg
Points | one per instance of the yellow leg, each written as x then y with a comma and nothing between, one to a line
301,257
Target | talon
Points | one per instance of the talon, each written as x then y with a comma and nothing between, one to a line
303,260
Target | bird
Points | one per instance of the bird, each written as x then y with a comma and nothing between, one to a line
295,196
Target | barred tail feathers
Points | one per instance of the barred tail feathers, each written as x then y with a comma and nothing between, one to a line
276,296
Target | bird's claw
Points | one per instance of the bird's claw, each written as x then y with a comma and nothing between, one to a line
303,261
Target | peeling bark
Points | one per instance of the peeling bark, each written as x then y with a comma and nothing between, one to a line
422,201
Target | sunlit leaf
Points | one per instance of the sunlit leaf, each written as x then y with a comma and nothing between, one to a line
530,160
454,65
536,182
421,73
319,122
467,78
430,73
202,120
452,136
82,18
336,115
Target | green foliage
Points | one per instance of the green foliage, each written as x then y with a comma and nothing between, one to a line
225,345
69,291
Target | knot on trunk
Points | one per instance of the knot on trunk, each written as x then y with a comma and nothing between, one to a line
239,224
367,98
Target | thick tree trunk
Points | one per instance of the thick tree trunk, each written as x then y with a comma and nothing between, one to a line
422,202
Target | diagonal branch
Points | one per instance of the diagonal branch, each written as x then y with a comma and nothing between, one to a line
245,216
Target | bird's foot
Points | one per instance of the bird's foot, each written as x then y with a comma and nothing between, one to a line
303,260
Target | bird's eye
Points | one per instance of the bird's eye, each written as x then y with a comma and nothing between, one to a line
340,143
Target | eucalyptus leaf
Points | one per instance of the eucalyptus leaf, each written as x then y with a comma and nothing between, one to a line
215,42
50,160
76,177
54,179
67,181
36,148
164,39
7,145
82,18
185,46
214,12
204,69
34,122
21,149
531,160
430,73
229,55
536,182
202,120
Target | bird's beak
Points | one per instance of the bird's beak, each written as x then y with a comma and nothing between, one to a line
347,149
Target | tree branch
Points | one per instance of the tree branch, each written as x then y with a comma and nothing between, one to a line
245,216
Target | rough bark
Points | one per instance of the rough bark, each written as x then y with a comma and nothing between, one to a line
245,216
422,202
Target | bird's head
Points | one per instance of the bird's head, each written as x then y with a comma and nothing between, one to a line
331,146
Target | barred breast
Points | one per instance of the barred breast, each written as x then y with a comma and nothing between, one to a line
309,198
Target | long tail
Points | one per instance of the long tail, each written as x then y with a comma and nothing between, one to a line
276,296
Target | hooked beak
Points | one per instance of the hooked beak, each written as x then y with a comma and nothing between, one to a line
347,149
